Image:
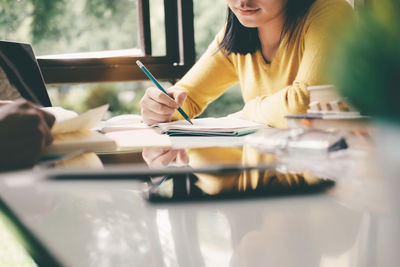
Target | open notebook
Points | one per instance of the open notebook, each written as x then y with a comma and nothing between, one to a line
225,126
72,132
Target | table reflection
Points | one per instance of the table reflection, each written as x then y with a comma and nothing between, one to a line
255,175
101,222
288,232
294,233
205,172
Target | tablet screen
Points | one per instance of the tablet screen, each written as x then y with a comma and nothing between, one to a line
251,183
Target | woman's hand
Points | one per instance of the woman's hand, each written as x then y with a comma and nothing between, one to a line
24,133
158,107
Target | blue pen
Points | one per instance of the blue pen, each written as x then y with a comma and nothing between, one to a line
151,77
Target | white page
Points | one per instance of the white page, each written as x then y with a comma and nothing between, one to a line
60,113
84,121
124,127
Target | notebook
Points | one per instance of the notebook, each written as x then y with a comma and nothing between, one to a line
73,132
224,126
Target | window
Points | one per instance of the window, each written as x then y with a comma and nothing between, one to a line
120,65
100,40
124,97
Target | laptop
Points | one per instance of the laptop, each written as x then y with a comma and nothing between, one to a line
19,63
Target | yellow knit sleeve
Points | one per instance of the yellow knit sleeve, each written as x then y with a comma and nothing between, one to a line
320,31
207,79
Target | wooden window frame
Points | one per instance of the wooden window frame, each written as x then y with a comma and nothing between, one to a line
180,52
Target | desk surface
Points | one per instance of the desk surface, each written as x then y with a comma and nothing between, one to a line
110,224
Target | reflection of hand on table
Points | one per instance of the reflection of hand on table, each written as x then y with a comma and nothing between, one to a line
161,158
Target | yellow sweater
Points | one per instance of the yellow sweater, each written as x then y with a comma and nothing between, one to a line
270,91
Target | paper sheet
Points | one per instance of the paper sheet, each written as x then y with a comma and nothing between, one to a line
60,113
140,139
84,121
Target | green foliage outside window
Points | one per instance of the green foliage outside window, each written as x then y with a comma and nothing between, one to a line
69,26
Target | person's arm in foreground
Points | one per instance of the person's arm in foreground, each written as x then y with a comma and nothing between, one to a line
24,133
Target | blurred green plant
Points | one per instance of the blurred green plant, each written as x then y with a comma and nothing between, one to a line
103,94
120,101
366,67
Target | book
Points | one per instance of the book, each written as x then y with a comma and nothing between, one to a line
319,93
72,132
325,99
224,126
329,111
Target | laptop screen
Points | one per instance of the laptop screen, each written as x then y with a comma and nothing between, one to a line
19,63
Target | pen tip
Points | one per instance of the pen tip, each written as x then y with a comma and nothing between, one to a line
189,121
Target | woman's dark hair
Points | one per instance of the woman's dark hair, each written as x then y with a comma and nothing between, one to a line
239,39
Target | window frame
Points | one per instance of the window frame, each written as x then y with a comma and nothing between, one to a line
180,55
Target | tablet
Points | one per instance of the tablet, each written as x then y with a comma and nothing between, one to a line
196,174
232,185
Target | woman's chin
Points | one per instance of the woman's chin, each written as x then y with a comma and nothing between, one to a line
248,23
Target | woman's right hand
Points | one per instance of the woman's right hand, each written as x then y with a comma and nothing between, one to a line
158,107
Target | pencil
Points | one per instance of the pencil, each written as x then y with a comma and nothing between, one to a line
151,77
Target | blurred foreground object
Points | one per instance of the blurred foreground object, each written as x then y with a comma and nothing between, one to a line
366,67
298,142
24,133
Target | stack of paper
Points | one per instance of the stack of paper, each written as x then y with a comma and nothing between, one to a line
225,126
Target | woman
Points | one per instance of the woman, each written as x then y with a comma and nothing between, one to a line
273,48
